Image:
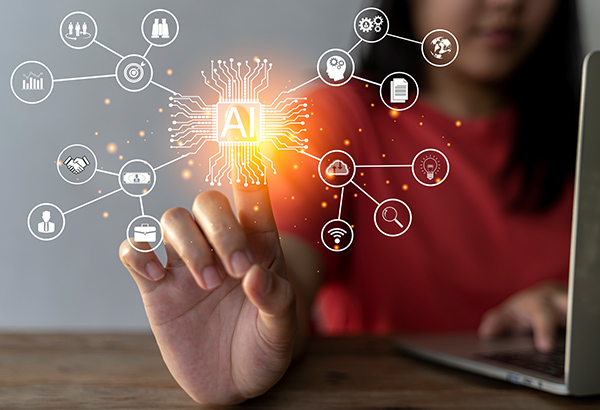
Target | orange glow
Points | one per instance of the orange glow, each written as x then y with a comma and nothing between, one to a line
323,204
145,191
160,110
394,114
295,166
448,144
366,85
360,130
421,124
121,157
111,148
169,72
99,191
335,196
186,174
458,123
382,155
142,134
190,162
346,142
437,180
405,187
355,195
60,163
105,215
107,101
256,208
96,133
387,182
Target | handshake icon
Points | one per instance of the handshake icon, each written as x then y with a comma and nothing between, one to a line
76,165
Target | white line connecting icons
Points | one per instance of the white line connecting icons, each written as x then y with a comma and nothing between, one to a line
237,123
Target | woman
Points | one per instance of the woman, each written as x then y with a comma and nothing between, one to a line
228,312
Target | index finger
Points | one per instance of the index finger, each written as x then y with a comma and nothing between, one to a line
253,206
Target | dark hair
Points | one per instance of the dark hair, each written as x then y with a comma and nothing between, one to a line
545,91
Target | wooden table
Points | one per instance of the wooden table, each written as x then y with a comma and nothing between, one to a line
106,371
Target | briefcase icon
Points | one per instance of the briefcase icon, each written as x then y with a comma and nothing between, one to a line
144,233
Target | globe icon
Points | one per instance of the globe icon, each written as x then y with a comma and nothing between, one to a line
441,45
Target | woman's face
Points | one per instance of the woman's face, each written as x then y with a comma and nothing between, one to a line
495,36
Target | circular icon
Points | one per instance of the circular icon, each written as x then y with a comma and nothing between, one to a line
439,48
78,30
337,168
76,164
46,222
160,27
337,235
371,25
335,67
145,229
430,167
134,73
392,217
137,178
399,91
31,82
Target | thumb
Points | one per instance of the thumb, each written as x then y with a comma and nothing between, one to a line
275,299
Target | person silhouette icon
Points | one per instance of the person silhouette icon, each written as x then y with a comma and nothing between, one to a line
46,226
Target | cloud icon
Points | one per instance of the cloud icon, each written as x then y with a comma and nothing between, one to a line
338,168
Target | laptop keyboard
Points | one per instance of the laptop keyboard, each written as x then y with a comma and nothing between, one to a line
552,364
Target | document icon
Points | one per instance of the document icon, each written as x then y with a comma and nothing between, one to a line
399,90
144,233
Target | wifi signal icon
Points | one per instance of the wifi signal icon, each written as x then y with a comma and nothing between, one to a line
336,234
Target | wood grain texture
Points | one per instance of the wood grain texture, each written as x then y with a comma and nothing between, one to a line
125,371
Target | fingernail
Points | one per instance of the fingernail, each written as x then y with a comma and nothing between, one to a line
265,283
155,271
211,277
240,263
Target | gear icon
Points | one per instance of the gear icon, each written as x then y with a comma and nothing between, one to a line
378,21
365,25
377,29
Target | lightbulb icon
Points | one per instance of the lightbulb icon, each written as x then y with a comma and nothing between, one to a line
430,166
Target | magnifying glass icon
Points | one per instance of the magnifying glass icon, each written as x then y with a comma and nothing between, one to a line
391,215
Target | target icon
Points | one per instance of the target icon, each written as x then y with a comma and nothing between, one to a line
134,72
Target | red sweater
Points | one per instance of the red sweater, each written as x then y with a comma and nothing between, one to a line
465,251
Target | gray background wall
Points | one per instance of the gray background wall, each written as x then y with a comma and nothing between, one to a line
77,281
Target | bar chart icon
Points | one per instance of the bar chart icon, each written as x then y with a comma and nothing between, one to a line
33,82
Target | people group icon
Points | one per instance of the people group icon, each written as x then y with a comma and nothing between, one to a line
46,226
77,31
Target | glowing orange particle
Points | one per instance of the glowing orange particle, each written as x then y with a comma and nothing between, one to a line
160,110
121,157
190,162
105,214
394,114
387,182
111,148
96,133
186,174
169,72
458,123
142,133
256,208
448,144
107,101
323,204
405,187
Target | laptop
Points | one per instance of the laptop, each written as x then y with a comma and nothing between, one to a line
574,367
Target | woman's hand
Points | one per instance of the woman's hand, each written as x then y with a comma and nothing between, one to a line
541,309
222,311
